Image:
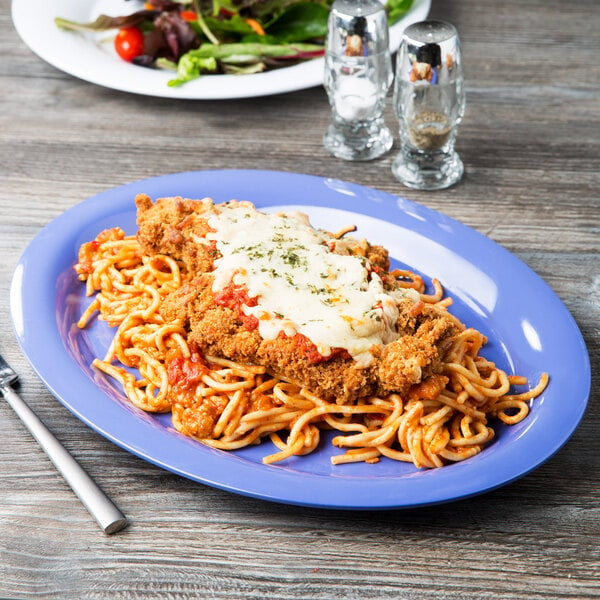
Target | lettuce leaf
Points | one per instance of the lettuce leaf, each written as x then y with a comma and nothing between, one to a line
105,22
396,9
300,22
190,67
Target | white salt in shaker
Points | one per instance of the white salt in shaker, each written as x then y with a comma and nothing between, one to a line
358,74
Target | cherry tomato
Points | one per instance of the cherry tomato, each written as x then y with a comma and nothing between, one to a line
129,43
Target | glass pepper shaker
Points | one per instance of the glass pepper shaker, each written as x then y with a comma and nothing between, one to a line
429,102
358,74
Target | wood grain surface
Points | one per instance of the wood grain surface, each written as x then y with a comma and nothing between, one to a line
530,141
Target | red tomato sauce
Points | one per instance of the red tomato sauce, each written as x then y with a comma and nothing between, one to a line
235,297
185,373
313,355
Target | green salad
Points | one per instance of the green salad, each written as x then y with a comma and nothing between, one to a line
221,36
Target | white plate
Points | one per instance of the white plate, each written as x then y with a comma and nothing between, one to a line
91,57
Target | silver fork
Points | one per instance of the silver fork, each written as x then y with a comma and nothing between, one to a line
107,515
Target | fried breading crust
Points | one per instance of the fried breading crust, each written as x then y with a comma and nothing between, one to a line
173,226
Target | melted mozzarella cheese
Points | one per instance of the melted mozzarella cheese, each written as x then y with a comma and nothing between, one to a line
301,286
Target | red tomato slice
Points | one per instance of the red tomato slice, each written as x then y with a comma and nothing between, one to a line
188,15
129,43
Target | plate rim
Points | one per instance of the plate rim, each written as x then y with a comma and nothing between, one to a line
280,490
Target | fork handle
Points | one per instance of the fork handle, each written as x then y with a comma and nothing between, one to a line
107,515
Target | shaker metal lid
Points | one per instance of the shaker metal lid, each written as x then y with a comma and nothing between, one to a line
426,33
428,47
357,28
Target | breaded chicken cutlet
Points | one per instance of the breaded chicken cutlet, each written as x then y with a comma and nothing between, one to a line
225,319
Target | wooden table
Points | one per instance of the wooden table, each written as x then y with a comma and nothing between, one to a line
530,141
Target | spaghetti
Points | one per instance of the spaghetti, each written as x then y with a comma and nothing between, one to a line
229,405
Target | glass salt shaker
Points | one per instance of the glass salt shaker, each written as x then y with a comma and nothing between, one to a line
429,102
358,74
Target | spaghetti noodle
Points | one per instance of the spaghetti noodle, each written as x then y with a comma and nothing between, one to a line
229,405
